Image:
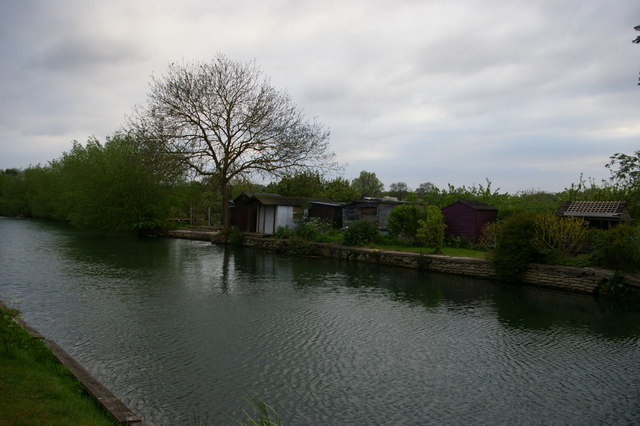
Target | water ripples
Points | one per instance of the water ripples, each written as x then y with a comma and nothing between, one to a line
182,330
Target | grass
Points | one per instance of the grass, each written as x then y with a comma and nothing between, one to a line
35,389
447,251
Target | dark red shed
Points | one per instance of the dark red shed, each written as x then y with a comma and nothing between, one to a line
467,218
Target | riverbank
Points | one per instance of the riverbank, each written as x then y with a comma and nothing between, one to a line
42,384
581,280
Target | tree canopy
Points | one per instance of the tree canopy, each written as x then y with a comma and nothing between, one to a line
368,185
224,119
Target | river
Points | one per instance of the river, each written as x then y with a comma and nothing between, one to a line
184,331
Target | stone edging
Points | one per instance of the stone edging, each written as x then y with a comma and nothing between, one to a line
582,280
107,400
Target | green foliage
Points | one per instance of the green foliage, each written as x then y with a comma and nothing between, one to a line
431,229
489,236
119,186
403,221
340,190
35,389
235,236
559,238
514,250
301,184
625,169
367,184
400,190
263,413
617,248
605,191
283,232
309,184
361,232
13,199
617,287
311,229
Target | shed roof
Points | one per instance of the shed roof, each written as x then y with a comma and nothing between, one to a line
269,199
603,209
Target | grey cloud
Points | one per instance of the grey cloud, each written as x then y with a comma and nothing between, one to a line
80,54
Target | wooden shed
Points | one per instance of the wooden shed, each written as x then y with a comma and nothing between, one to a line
328,211
599,214
467,218
375,210
265,213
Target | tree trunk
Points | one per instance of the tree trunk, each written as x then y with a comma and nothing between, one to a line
224,207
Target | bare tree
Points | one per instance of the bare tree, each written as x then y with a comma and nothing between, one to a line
223,119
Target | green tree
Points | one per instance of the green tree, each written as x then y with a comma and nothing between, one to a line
301,184
424,189
339,189
430,231
625,170
118,186
368,185
42,191
224,119
514,249
404,220
13,199
400,190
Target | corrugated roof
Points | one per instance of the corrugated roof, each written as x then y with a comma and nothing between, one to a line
269,199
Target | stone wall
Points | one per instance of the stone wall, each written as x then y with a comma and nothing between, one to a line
584,280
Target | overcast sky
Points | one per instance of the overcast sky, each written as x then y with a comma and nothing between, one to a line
529,94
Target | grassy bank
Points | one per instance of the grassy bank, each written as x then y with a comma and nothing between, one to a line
35,389
446,251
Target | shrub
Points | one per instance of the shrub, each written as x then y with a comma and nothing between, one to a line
403,221
617,248
489,235
235,236
558,238
282,232
431,229
514,250
361,232
312,228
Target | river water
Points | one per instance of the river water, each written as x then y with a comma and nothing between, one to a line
184,331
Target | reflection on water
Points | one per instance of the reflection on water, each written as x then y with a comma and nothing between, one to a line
178,327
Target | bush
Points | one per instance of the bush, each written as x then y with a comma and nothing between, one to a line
559,238
403,221
514,249
361,232
617,248
282,232
312,228
431,230
235,236
489,235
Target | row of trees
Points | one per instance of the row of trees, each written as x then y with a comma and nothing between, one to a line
124,184
206,131
118,185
